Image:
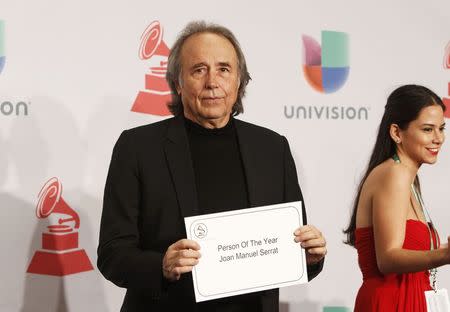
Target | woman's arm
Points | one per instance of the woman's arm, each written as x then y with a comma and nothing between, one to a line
390,205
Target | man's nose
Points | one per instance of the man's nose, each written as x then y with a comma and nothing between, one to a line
211,80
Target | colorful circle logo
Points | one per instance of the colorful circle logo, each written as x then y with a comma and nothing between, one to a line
2,47
326,68
446,100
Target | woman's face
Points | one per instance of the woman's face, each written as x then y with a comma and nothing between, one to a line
422,139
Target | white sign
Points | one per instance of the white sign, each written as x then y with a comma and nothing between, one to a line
247,250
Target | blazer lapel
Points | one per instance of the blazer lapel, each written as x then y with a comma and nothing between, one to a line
249,156
179,161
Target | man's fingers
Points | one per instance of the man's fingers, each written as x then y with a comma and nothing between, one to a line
181,270
175,274
306,236
188,253
173,270
317,251
178,261
302,229
185,244
181,258
305,228
312,243
181,262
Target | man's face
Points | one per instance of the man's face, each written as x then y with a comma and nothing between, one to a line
209,79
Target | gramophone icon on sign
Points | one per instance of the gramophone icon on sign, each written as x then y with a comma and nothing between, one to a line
446,100
153,100
60,254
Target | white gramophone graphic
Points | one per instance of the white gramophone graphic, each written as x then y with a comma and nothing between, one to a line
446,100
60,254
153,100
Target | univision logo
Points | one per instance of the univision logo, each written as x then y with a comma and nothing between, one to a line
2,46
11,108
326,67
446,100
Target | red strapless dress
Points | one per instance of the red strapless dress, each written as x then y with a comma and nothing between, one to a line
392,292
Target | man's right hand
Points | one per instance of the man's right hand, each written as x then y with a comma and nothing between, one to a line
180,258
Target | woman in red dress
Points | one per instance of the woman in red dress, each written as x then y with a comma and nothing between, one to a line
396,243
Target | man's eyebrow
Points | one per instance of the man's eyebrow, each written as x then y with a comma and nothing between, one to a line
197,65
226,64
203,64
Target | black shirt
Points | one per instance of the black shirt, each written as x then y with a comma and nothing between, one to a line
221,186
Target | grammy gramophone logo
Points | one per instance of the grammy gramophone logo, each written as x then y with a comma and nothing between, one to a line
153,100
60,254
447,66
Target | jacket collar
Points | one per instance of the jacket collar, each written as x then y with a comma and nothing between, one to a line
179,161
251,155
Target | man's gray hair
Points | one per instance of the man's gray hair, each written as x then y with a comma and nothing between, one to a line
174,63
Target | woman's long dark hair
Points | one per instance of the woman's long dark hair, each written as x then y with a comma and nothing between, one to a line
403,106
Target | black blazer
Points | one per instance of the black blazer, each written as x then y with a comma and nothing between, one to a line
150,188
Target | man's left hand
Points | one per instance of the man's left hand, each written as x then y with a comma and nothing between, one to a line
313,241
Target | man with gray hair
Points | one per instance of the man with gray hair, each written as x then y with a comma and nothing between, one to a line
201,161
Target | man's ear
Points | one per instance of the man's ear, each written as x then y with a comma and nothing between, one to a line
178,86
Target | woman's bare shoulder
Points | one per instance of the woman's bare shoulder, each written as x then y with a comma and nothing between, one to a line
390,175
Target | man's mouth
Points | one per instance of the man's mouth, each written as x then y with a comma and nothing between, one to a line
211,98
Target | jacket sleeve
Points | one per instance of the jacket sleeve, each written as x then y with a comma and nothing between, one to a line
120,258
292,192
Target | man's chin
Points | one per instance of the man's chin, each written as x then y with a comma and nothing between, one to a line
219,120
214,114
